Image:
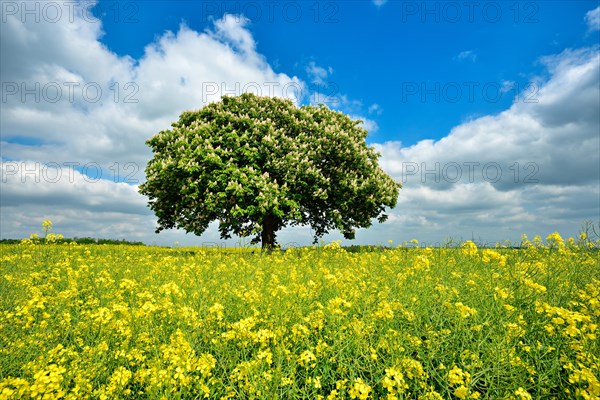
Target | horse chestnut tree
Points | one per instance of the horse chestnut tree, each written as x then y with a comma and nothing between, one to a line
257,164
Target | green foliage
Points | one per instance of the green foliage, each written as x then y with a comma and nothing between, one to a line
257,164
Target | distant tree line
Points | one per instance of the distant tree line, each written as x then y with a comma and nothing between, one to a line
84,240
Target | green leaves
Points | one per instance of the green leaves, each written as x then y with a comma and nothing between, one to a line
250,157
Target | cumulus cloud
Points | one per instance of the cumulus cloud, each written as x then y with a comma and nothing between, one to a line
592,18
32,190
32,182
84,103
535,165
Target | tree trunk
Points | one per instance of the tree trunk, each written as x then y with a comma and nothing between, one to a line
268,232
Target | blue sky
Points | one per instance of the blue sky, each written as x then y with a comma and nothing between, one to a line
486,111
387,55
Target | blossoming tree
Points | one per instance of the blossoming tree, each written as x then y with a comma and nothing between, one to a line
257,164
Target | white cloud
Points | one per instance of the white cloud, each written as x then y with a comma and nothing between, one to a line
375,109
91,105
507,86
533,168
592,18
369,124
231,28
557,132
27,182
466,55
317,74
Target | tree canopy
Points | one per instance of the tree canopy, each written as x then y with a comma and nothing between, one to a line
257,164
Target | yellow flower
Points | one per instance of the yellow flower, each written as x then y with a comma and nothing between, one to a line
47,225
465,311
522,394
555,240
359,390
385,311
508,307
120,377
205,363
571,330
469,248
307,358
394,381
317,382
457,376
421,262
461,392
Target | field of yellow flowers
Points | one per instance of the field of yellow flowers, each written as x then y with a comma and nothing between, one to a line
116,321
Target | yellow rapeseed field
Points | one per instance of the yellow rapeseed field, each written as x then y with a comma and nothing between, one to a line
116,321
